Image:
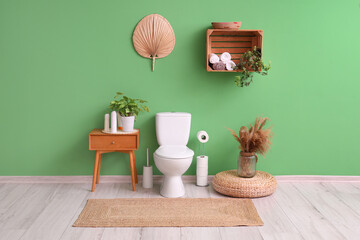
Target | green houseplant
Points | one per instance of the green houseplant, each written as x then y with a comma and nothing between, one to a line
252,140
250,63
128,109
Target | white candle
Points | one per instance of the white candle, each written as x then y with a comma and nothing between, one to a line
113,122
106,123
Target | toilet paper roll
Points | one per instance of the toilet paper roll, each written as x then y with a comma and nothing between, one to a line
147,177
203,168
202,181
202,136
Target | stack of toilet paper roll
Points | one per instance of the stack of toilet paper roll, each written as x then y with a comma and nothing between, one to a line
202,171
223,62
202,162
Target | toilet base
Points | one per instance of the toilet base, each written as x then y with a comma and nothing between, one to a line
172,187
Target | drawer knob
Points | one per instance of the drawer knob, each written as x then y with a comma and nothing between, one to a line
112,142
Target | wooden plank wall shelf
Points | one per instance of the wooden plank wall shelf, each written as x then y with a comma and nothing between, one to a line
234,41
105,143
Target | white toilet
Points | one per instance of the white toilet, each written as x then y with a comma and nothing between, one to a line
173,157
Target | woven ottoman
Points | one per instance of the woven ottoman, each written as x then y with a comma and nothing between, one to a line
230,184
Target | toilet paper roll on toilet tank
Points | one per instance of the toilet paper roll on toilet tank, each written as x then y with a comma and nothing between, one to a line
202,136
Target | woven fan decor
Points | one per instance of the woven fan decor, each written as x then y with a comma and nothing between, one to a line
154,37
230,184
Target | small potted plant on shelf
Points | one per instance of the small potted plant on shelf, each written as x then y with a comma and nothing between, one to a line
250,63
252,140
128,109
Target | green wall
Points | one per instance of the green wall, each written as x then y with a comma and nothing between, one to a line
61,62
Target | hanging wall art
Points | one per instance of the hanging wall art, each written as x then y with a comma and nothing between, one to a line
153,37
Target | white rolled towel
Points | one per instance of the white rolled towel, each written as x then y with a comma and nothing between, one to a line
213,58
225,57
230,65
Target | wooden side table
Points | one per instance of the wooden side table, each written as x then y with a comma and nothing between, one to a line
105,143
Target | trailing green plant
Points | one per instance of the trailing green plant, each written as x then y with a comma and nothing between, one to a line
250,63
128,106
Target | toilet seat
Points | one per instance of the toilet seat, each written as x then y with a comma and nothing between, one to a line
174,152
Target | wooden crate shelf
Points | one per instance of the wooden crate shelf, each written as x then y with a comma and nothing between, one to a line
235,42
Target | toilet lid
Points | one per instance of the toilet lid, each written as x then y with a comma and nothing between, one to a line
174,152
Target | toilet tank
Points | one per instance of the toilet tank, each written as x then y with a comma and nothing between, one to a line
173,128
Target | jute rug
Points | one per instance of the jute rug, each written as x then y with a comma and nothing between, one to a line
165,212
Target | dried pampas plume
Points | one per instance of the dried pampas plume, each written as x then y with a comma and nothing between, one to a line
255,139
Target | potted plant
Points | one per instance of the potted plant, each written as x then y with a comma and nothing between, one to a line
128,109
252,140
250,63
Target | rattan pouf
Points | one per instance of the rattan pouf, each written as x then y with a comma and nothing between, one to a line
230,184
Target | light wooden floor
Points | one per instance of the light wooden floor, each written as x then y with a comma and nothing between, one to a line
295,211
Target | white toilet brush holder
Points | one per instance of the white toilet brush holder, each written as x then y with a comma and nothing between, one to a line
147,177
202,171
147,173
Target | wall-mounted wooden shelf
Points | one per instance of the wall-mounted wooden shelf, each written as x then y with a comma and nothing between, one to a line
235,42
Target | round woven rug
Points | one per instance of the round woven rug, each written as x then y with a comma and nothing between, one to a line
230,184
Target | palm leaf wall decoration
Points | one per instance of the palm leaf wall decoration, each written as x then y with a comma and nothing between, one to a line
154,37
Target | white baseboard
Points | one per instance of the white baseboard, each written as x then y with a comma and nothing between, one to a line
158,179
82,179
317,178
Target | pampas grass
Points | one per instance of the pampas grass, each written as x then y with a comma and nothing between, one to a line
255,139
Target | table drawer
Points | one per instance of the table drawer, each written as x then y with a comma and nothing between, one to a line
123,142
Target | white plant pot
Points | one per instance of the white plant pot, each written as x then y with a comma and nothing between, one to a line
127,123
119,119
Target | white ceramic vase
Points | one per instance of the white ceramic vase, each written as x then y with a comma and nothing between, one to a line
127,123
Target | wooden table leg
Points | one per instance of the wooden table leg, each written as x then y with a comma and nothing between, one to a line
98,171
136,176
131,157
97,154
